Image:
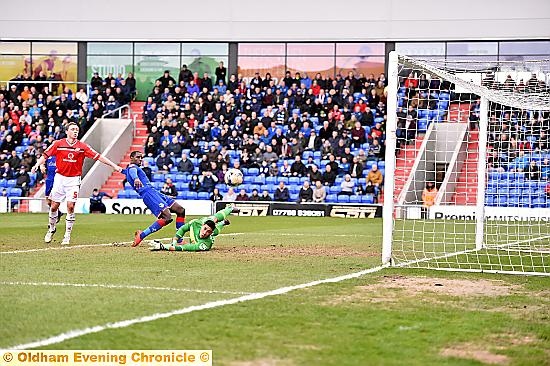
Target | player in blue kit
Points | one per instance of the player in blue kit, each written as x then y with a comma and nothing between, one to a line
160,205
49,169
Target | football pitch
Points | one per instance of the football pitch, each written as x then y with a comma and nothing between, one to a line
273,291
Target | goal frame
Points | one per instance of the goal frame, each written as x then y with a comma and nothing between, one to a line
389,206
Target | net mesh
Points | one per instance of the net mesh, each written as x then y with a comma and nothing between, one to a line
443,157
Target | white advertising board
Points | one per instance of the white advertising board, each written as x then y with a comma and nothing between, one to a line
491,213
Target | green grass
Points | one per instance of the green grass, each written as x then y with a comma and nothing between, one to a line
364,321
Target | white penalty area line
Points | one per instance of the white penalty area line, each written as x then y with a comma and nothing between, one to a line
209,305
129,287
68,247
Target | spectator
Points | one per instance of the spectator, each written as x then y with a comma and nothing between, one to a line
23,181
429,195
281,193
169,188
230,196
185,75
147,170
314,174
358,135
216,196
547,190
298,169
347,186
164,163
221,73
375,176
185,165
166,80
207,181
255,196
533,171
329,176
265,196
6,172
286,169
194,183
273,170
96,201
306,193
356,168
151,147
319,193
242,196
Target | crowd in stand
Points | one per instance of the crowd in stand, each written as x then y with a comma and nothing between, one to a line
273,126
32,116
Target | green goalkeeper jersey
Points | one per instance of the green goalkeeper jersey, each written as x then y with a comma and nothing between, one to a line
194,227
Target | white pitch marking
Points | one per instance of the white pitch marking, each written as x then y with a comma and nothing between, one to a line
209,305
131,287
67,247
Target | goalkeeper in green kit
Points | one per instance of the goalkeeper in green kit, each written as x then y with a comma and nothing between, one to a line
201,233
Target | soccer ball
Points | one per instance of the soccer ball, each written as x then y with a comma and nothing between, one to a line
233,177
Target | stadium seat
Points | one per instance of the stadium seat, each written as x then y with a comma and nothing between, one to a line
293,180
158,177
355,199
253,171
368,198
331,198
343,199
294,197
191,195
271,180
3,183
121,194
12,183
203,196
259,180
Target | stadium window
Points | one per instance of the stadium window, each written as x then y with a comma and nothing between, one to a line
110,48
360,64
153,49
525,48
360,49
15,48
311,65
13,65
207,49
261,49
150,68
249,65
310,49
472,48
202,63
105,64
421,48
60,48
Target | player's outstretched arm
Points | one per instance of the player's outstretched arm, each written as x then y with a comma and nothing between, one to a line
40,161
106,161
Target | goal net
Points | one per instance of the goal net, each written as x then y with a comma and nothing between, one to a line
468,165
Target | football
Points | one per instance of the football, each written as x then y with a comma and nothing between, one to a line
233,177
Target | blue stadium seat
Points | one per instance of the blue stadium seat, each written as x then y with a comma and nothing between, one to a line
182,195
253,171
355,199
271,180
203,195
15,192
368,198
259,180
121,194
343,199
191,195
282,179
331,198
335,189
539,203
128,186
3,183
293,180
20,149
294,189
12,182
294,197
158,177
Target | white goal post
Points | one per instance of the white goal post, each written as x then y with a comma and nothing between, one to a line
468,165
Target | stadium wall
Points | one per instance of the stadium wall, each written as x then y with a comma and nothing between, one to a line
250,20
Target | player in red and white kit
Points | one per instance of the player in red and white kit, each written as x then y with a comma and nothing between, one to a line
70,154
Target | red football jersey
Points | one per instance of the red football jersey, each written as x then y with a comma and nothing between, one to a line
70,157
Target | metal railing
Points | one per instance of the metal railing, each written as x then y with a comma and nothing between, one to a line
49,83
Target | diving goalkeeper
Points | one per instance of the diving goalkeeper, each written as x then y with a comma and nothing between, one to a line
201,233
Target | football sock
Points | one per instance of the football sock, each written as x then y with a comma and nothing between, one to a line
52,219
69,222
155,226
180,221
